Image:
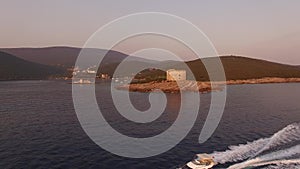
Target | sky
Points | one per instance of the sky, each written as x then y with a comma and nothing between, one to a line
265,29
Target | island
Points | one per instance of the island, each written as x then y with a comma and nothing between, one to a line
198,86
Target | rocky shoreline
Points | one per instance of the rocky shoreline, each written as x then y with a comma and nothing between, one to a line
196,86
264,80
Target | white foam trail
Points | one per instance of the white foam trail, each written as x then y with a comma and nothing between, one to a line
284,165
281,163
240,152
289,134
271,158
278,163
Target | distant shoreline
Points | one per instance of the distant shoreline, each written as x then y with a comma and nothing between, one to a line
197,86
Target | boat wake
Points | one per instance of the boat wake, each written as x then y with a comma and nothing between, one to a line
282,150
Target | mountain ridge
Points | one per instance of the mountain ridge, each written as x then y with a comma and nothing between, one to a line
14,68
236,67
65,56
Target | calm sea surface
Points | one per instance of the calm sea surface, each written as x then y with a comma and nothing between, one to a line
39,127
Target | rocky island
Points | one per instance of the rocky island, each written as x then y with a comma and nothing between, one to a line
197,86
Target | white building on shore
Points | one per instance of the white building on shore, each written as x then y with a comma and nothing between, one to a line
176,75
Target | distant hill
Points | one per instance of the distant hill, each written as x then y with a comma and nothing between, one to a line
65,56
14,68
235,67
238,68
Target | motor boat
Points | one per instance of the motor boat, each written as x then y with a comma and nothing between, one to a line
200,161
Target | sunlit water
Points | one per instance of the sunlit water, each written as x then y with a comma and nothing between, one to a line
39,127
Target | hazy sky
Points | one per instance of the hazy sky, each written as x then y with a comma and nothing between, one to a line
267,29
